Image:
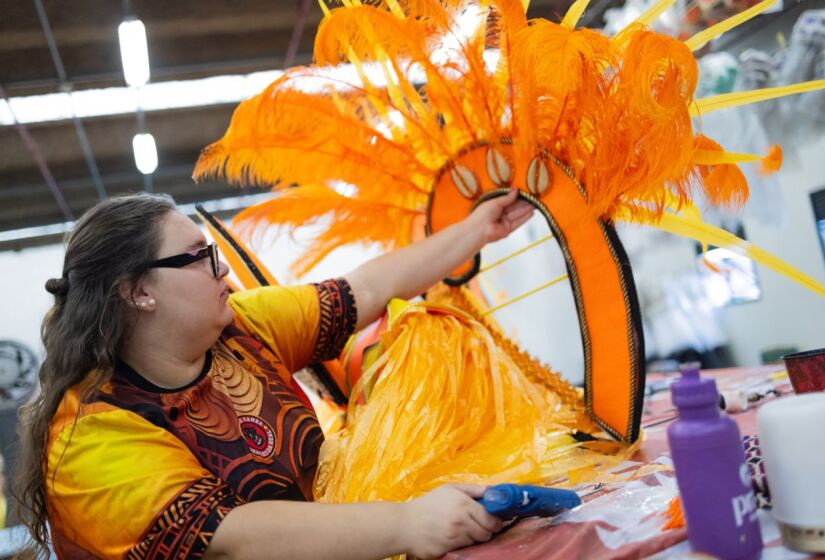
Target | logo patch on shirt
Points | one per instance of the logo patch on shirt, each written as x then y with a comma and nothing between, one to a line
258,435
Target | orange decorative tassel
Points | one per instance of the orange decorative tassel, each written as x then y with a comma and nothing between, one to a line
772,162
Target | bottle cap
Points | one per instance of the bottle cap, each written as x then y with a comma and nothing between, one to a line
734,401
692,390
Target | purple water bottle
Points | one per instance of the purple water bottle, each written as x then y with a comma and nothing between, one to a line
714,481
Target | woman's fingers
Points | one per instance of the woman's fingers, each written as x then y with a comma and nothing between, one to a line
478,533
518,209
472,490
486,521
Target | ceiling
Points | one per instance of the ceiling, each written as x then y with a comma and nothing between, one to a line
187,40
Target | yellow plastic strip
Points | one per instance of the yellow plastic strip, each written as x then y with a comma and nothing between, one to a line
652,13
714,157
515,254
574,13
524,295
687,208
706,105
395,9
712,235
714,31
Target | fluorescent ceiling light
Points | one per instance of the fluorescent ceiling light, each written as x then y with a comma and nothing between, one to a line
146,153
159,96
134,52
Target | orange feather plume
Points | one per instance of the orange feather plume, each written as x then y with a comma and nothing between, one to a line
772,162
351,221
723,184
420,89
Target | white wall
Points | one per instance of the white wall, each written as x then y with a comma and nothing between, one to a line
787,315
23,296
545,324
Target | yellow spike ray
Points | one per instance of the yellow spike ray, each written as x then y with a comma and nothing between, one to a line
515,253
371,90
712,235
324,8
706,105
393,91
712,157
687,209
395,9
574,13
552,282
653,12
714,31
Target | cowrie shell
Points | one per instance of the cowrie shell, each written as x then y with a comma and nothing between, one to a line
498,168
465,181
538,177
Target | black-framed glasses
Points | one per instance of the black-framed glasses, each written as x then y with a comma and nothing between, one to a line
184,259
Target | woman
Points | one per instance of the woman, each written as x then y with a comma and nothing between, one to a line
168,423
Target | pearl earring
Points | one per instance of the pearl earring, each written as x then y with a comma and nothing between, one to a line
151,301
142,304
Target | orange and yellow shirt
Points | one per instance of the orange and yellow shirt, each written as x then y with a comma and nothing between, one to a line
137,471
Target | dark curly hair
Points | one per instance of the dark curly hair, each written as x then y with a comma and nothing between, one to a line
85,328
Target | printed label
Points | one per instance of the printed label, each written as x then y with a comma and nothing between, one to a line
744,505
258,434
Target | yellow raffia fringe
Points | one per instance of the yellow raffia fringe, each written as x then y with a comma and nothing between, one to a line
449,406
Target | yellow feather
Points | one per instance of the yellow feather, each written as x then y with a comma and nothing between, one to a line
714,31
653,12
707,105
697,230
712,157
574,13
395,9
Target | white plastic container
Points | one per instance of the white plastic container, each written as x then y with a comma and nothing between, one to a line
792,440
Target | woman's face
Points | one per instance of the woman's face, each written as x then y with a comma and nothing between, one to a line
189,298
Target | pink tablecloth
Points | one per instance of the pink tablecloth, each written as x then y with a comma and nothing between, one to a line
604,528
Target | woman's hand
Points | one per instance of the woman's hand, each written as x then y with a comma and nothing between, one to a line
413,269
499,217
445,519
430,526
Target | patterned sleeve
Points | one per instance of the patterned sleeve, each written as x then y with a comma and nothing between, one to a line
338,317
301,324
185,527
121,487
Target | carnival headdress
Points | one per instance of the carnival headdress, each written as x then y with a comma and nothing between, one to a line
414,111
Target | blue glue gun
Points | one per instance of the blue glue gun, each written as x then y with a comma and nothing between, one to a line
515,500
